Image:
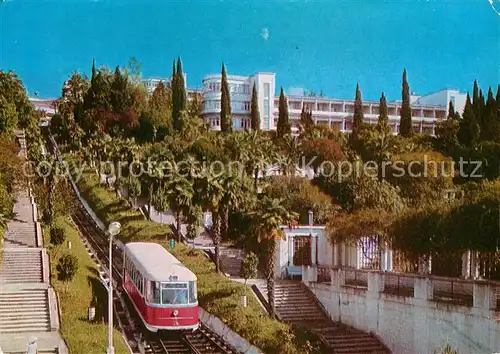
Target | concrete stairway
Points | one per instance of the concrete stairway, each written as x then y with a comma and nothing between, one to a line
296,305
21,230
21,266
24,311
28,305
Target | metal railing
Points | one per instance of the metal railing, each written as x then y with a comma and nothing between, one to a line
444,289
399,285
356,277
454,291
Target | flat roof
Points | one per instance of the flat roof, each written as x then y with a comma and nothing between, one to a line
156,263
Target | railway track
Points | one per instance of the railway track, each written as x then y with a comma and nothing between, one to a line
138,337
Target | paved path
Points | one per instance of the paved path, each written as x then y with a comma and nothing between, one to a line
28,305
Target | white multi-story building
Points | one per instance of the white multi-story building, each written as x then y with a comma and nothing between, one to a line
427,110
240,88
338,113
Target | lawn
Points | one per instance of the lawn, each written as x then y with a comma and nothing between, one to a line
217,294
81,336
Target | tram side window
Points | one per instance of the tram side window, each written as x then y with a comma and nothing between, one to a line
192,292
153,292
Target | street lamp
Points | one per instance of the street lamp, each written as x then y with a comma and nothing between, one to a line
113,230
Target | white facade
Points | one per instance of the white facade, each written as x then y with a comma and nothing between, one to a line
336,113
426,110
444,97
240,88
151,83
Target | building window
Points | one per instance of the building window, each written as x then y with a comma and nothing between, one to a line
266,107
267,90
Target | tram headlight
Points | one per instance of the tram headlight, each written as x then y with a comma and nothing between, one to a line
176,313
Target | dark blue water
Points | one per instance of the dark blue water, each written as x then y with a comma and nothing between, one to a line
321,45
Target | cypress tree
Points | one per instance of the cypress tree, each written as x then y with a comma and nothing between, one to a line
357,122
469,129
181,86
383,116
176,112
451,111
481,108
498,95
254,110
475,98
491,125
306,118
283,127
405,125
226,122
93,69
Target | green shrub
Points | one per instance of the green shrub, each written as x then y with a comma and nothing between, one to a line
249,266
67,267
446,350
6,202
57,236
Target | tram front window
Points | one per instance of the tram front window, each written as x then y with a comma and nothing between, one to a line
174,293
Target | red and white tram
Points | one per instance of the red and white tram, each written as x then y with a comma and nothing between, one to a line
161,288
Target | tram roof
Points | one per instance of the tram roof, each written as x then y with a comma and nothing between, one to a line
156,263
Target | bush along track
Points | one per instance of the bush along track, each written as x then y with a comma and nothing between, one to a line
217,294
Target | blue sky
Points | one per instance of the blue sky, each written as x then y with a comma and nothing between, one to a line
320,45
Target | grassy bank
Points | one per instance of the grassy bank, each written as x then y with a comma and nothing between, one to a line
76,297
217,294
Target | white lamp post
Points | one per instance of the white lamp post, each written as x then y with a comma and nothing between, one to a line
113,230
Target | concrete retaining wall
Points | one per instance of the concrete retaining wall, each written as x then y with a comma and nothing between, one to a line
234,339
53,309
414,324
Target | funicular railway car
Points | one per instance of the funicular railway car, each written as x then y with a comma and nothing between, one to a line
161,288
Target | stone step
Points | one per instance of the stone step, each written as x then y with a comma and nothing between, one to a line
33,327
41,310
16,296
35,316
20,281
23,303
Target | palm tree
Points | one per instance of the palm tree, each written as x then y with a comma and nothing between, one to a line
236,191
160,201
288,156
259,154
180,192
267,220
209,192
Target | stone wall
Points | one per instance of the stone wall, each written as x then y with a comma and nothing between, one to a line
416,323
